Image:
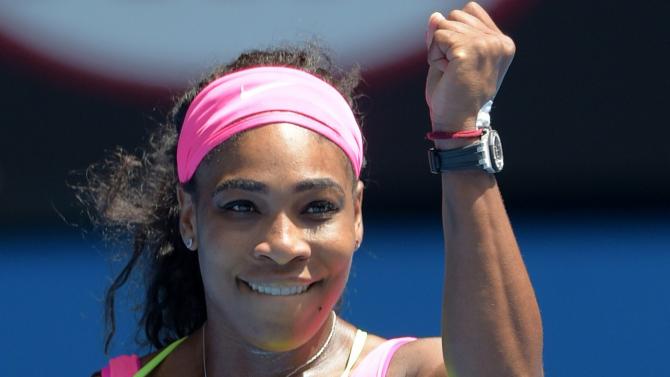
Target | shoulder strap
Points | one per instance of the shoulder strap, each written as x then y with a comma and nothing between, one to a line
129,365
377,362
356,349
153,363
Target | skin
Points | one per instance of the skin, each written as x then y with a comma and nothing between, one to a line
491,324
274,235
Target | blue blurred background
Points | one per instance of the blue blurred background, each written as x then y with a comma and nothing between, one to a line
586,180
602,284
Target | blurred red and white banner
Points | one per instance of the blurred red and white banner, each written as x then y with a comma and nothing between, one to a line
169,44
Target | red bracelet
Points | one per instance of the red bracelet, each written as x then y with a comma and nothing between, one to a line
443,135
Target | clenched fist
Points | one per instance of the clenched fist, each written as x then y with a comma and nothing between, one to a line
468,57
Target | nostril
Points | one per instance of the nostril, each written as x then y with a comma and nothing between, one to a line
282,253
263,256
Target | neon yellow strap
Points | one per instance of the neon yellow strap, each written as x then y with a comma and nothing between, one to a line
153,363
356,349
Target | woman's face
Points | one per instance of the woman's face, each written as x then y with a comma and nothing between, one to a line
275,220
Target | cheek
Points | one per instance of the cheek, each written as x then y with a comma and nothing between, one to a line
218,253
331,259
215,265
218,237
332,249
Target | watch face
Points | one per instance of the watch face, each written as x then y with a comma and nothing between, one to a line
495,146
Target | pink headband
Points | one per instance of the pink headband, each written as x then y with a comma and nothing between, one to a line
258,96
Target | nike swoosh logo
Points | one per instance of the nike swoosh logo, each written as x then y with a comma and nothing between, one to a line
246,94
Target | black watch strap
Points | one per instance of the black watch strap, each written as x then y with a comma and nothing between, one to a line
485,154
469,157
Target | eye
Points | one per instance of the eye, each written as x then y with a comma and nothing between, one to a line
240,206
321,207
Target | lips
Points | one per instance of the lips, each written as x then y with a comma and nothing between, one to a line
278,288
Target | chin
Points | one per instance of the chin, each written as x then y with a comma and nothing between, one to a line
282,334
280,323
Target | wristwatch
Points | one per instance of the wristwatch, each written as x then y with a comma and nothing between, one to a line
485,154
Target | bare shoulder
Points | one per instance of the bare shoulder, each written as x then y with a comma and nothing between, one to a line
420,358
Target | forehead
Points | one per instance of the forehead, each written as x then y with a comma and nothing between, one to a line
278,154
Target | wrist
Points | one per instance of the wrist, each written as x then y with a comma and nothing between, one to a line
454,143
484,153
470,120
451,143
469,123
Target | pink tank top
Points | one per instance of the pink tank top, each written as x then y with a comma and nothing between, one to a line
122,366
375,364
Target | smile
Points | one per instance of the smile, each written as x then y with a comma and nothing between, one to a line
277,290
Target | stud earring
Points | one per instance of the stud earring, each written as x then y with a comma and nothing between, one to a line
189,243
358,244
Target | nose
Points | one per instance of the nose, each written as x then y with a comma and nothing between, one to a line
283,242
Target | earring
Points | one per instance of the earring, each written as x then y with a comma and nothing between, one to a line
189,243
358,244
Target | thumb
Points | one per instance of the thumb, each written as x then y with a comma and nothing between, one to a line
436,57
433,24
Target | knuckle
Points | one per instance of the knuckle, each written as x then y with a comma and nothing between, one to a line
481,44
507,45
443,37
497,44
460,53
470,6
492,44
456,14
452,14
444,23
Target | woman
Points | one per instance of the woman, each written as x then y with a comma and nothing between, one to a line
246,209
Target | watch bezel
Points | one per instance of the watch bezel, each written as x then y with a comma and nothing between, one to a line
493,161
496,154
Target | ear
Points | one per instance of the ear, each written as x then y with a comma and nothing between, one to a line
358,212
187,218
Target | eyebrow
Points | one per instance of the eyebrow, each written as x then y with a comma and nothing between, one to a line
241,184
256,186
318,184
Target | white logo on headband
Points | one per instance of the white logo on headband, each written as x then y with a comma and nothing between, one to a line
246,94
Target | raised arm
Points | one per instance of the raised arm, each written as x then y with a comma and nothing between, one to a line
491,324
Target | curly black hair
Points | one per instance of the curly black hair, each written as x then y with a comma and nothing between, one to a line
133,197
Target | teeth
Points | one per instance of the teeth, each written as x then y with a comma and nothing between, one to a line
278,291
